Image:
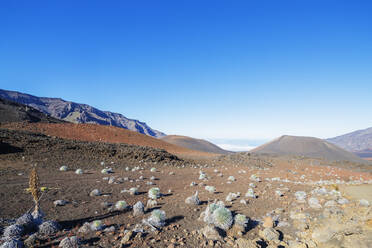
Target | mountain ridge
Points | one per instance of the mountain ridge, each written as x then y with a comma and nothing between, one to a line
356,141
11,111
194,144
308,147
79,112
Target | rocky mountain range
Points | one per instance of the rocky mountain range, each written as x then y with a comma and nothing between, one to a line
358,142
78,113
14,112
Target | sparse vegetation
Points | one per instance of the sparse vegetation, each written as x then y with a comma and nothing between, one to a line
154,193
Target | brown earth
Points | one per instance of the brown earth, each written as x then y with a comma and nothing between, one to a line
182,226
110,134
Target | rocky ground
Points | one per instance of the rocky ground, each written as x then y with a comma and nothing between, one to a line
288,202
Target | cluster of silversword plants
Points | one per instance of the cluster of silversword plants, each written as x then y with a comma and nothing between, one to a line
218,215
33,223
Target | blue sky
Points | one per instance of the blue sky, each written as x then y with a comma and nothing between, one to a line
221,70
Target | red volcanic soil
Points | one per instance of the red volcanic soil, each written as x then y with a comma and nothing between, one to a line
109,134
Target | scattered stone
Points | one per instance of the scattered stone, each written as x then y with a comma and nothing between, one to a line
127,237
211,233
245,243
364,203
109,229
300,196
85,228
330,203
279,193
111,180
301,225
59,203
31,240
70,242
48,228
106,171
322,234
269,234
296,244
314,203
95,192
268,222
343,201
138,209
106,204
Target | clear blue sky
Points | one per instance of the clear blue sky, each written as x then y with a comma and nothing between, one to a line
209,69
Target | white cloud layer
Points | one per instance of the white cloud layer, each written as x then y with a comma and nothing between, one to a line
236,148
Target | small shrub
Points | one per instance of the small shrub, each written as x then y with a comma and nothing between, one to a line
241,219
121,205
26,221
231,178
13,232
250,193
154,193
194,199
202,176
95,192
222,218
133,191
157,218
96,225
12,243
210,189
